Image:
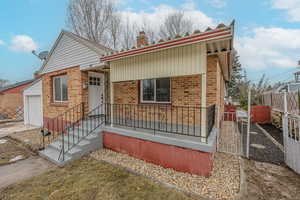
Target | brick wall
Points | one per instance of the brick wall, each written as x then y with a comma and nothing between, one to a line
211,78
12,98
126,92
185,91
76,93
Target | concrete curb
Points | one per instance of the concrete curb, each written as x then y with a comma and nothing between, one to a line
280,146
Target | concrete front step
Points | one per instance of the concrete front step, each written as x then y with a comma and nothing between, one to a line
76,148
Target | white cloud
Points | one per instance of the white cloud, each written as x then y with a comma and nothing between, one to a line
189,5
292,7
1,42
158,14
23,43
269,48
217,3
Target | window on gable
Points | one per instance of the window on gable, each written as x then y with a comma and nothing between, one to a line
156,90
60,88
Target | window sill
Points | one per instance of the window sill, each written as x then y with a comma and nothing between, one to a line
59,104
156,103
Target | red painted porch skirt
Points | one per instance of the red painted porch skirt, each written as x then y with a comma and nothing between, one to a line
168,156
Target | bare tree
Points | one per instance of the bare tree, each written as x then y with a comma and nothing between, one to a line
128,36
3,82
151,33
91,18
175,24
115,30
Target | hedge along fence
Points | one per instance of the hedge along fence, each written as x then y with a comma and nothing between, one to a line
276,101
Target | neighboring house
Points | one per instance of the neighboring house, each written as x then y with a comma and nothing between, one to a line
11,99
292,86
160,102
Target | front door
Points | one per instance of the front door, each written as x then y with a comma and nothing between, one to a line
96,90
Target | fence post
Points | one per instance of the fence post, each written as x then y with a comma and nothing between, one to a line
249,119
285,121
298,102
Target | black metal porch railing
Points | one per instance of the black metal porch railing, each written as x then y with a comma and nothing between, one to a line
179,120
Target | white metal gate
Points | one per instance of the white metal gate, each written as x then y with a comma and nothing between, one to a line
230,138
291,139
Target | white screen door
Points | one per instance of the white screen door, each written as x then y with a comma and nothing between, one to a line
96,90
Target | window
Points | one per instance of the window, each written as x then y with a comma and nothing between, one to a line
156,90
94,81
60,88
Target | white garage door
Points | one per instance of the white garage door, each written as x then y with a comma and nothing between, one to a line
35,116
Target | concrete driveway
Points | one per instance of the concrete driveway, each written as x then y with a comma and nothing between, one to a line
14,127
22,170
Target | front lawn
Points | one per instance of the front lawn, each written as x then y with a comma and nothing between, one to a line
11,151
89,179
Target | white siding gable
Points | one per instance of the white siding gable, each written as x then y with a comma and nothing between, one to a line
34,89
70,53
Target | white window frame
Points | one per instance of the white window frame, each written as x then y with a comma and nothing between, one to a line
159,102
61,90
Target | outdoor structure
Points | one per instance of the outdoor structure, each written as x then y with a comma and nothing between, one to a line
159,102
11,100
33,110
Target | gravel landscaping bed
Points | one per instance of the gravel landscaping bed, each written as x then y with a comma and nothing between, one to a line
223,184
275,132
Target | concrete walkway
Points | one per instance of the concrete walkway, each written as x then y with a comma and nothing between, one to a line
22,170
262,148
14,127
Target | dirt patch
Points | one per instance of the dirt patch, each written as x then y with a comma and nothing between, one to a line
31,138
89,179
275,132
270,182
223,184
12,151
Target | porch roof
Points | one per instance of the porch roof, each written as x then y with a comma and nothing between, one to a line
221,33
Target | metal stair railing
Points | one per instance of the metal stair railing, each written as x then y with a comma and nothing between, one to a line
53,128
84,126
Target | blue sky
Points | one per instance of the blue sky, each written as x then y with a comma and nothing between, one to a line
267,31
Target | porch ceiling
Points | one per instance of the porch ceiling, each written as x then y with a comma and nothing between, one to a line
223,49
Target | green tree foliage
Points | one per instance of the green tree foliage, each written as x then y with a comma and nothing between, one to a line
233,88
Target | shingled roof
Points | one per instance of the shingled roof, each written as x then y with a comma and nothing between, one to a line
15,85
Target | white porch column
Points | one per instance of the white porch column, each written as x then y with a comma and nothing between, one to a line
203,58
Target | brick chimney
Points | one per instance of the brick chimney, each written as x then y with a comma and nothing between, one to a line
141,39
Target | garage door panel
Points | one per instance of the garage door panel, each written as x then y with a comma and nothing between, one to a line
35,116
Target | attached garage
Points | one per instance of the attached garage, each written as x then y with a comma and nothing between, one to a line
33,111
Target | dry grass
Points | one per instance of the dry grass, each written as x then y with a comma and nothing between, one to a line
10,150
223,184
31,138
89,179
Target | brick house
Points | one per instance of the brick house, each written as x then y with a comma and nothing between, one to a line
11,99
159,102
